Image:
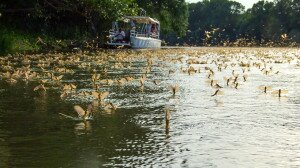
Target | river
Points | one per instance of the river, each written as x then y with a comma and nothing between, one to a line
244,127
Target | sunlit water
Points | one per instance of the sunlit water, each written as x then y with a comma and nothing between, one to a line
242,128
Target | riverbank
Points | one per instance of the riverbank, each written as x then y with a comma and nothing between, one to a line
14,41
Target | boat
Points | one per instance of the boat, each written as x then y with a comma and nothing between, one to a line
139,32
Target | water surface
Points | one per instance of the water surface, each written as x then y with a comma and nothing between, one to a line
242,128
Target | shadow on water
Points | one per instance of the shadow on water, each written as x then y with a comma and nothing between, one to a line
33,134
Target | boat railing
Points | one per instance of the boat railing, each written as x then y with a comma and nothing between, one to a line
112,34
134,33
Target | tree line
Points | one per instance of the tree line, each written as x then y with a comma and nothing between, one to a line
68,18
208,22
225,22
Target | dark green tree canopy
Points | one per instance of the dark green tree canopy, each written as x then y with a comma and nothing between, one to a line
264,22
63,17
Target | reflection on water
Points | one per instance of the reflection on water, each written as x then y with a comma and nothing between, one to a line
244,127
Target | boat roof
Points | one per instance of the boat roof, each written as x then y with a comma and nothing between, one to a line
141,19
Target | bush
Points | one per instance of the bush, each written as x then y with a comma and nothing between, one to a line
14,41
6,42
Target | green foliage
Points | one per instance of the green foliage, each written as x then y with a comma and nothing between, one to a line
212,14
172,14
16,41
264,22
6,42
65,18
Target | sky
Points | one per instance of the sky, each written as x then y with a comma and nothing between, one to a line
246,3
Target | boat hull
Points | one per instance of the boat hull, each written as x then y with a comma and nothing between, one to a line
144,42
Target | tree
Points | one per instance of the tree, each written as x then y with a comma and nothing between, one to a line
63,17
214,20
172,14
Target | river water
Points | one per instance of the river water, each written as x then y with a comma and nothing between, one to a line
244,127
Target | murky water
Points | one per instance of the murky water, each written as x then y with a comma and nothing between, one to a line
244,127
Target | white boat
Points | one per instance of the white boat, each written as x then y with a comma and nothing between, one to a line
142,32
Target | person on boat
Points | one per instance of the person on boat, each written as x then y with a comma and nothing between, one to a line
153,30
132,24
120,35
148,33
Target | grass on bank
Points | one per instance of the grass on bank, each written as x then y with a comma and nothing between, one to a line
13,41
